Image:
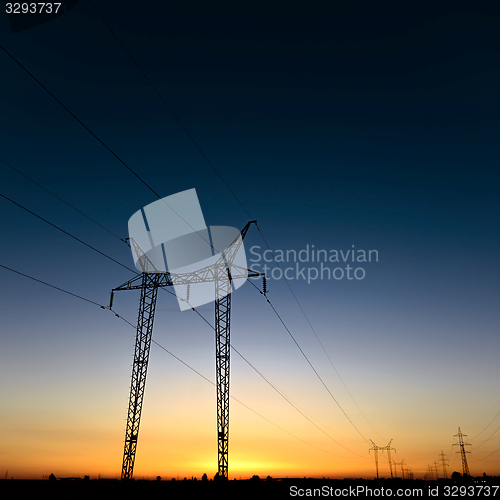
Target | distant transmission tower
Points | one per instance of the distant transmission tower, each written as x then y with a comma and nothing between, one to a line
395,470
444,462
149,283
463,452
400,465
376,449
435,469
430,473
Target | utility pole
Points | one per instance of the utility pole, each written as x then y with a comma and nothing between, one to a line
444,462
463,452
221,273
376,449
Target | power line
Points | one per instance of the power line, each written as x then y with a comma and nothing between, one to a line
487,456
248,407
78,119
72,236
291,403
314,370
79,211
312,329
312,366
492,420
52,286
169,108
64,201
477,423
66,232
487,439
103,143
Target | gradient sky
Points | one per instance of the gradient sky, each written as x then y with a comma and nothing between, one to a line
334,126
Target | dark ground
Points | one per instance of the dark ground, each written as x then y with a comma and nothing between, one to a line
251,489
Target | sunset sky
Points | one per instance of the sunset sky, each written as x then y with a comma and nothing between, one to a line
341,127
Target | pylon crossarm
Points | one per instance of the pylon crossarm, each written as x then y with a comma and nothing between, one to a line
230,252
136,283
144,261
206,275
246,273
247,226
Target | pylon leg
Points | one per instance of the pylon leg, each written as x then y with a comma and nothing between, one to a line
389,457
222,351
143,337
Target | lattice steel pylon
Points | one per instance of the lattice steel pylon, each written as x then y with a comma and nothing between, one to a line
222,352
435,469
444,462
395,469
463,452
149,291
222,272
376,449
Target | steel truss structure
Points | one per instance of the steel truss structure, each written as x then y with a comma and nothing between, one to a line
376,449
149,291
222,351
463,452
221,273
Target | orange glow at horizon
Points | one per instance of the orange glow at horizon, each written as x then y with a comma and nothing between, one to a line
189,449
79,428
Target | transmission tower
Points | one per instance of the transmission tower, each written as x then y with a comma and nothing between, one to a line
376,449
429,474
435,469
221,273
401,466
444,462
463,451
